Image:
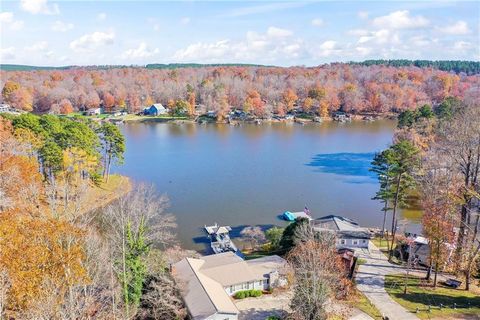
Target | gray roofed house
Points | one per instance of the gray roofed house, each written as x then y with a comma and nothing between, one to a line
349,233
155,109
207,283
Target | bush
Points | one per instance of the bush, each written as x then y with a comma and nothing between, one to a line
273,318
247,293
255,293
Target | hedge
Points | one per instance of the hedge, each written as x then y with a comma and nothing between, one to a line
248,293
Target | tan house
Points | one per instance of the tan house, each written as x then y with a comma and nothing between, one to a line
207,283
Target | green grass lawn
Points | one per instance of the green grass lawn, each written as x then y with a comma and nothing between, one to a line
360,301
420,295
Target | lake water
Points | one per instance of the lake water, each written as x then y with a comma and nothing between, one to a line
249,174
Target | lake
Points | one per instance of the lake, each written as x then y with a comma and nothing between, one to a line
249,174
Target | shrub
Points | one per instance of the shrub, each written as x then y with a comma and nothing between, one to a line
273,318
255,293
247,293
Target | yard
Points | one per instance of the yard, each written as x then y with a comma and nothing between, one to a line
444,302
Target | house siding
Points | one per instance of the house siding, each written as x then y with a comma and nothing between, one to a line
222,316
251,285
353,243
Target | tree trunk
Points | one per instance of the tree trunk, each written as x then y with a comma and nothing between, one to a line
384,218
394,215
125,284
436,274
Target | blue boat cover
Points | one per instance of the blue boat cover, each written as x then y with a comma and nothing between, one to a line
287,215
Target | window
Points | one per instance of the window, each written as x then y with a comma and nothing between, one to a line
232,289
364,241
343,241
355,242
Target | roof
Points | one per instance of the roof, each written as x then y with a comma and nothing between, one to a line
157,105
261,267
202,295
228,269
203,280
344,227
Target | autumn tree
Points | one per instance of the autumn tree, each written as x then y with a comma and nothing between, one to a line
438,220
290,98
317,276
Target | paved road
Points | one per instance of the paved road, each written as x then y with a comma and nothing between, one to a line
370,280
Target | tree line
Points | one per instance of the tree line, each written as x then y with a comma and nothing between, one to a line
260,91
457,66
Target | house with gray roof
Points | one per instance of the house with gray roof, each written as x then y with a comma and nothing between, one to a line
349,233
208,283
155,110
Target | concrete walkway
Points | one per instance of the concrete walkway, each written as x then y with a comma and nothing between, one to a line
370,280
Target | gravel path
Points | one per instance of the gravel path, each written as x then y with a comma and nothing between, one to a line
370,280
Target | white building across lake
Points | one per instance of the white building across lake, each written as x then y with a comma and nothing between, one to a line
207,283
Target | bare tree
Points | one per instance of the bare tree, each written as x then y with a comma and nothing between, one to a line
317,276
141,209
254,235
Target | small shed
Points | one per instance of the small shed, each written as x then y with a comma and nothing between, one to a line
155,110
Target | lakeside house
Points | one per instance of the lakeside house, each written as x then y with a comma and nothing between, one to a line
349,233
208,283
4,108
155,110
94,111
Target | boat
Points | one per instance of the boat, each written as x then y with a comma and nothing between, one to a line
220,238
292,216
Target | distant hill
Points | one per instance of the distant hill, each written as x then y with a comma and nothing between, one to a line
457,66
199,65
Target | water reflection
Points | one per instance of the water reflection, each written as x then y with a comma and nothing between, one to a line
353,165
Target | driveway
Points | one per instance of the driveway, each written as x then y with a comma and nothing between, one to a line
370,280
278,304
262,307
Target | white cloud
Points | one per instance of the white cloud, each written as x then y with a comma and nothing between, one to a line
39,6
362,14
101,16
381,36
60,26
318,22
7,53
90,42
358,32
185,20
266,47
264,8
459,28
400,20
275,32
363,51
37,47
419,41
462,45
328,48
8,19
141,52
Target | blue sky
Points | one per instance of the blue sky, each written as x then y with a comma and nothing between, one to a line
42,32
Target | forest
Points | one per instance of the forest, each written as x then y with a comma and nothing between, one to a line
373,87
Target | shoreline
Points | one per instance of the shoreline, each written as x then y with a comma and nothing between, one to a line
258,121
